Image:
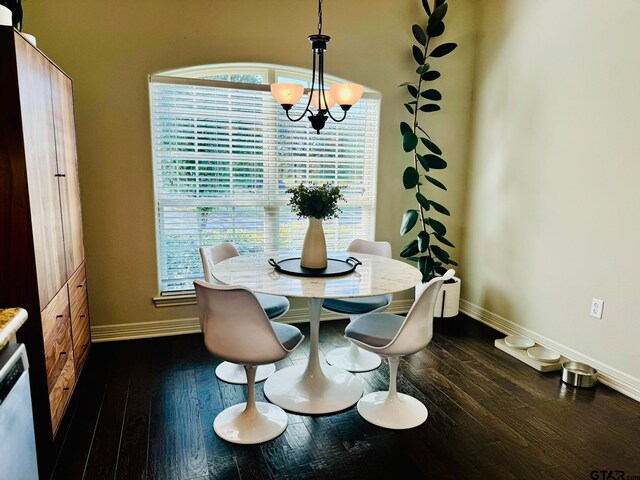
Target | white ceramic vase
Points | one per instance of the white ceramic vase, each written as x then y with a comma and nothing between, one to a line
314,249
449,298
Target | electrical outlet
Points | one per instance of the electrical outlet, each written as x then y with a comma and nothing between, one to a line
596,308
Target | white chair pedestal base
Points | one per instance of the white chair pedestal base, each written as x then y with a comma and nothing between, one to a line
396,412
353,359
233,373
256,424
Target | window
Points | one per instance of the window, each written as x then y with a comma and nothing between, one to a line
224,153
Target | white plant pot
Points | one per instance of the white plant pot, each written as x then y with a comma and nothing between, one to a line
6,17
30,38
314,249
450,292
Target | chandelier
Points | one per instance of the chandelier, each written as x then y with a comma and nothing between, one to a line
344,94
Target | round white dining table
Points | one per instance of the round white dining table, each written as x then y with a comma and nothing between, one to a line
315,388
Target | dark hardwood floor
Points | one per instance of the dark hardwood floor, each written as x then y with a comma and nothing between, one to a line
145,409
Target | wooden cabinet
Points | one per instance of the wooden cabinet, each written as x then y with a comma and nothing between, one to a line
34,83
42,267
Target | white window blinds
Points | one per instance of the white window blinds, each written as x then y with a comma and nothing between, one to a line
224,153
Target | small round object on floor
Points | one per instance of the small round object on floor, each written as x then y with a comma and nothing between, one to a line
398,414
264,423
543,354
358,361
233,373
519,341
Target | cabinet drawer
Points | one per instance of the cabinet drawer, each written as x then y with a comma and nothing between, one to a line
56,330
61,392
81,336
78,290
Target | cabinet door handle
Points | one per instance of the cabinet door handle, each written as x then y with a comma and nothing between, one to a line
80,286
60,175
82,316
59,316
63,353
65,388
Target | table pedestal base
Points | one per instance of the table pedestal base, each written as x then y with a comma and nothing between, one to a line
334,390
312,389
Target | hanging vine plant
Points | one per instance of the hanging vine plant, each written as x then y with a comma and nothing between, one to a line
428,246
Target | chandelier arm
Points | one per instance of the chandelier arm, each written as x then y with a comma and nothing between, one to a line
313,81
322,92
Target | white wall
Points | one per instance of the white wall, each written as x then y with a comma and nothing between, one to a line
553,202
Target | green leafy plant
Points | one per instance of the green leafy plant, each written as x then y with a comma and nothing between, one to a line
427,247
317,201
16,9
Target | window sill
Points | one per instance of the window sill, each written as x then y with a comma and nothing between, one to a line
175,300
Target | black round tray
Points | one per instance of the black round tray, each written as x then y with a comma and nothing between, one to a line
335,267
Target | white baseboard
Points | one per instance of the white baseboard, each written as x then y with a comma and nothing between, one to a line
181,326
614,378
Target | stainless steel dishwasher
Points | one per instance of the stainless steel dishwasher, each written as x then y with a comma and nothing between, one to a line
18,459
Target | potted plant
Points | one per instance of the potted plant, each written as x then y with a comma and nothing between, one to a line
317,203
429,246
11,13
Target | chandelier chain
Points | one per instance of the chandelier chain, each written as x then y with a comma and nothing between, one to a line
319,17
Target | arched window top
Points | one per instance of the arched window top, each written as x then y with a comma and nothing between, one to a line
256,73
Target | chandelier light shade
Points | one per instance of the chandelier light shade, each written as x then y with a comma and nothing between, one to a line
322,102
346,93
321,99
287,94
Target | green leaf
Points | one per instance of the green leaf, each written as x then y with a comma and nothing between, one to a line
430,145
435,30
404,128
409,108
422,200
439,2
419,34
430,107
432,94
413,91
423,241
410,178
423,68
409,141
418,55
430,75
443,240
442,50
438,227
439,208
436,182
423,161
441,270
426,267
440,254
404,84
451,262
425,5
409,220
410,250
435,162
438,14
